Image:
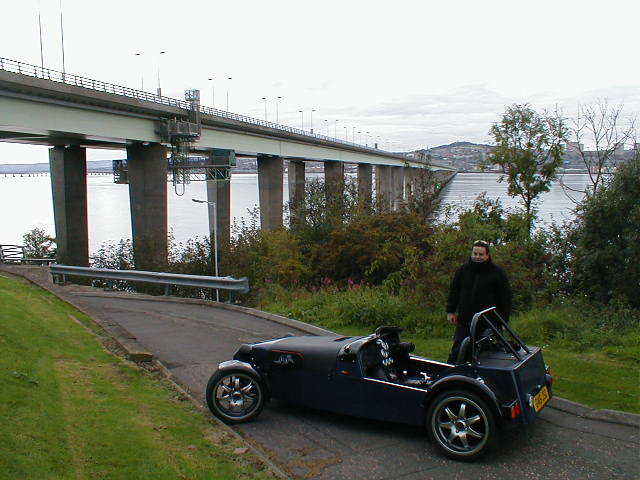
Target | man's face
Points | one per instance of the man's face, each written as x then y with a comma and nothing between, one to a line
479,254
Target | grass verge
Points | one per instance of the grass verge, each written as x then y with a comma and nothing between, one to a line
591,364
71,409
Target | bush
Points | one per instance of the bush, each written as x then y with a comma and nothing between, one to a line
606,256
38,244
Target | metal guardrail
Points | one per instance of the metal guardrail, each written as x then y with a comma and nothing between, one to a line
84,82
60,273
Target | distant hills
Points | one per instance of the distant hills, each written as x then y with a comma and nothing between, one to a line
94,166
464,156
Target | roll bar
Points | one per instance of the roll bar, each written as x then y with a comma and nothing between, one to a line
496,328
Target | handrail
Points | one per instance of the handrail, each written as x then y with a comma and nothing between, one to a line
16,254
60,272
22,68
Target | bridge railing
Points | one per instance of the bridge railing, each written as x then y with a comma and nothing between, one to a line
84,82
17,254
233,285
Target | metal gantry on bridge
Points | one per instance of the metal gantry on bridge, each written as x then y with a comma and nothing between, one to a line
162,136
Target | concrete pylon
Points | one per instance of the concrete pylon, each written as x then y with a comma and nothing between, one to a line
68,167
365,171
147,168
219,192
270,170
384,193
296,177
334,183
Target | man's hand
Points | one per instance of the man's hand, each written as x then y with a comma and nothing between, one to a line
453,318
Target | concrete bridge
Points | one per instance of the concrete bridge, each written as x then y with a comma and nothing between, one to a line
72,113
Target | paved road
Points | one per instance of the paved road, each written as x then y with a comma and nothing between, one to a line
191,339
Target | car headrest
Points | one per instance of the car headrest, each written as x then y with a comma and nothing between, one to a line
387,329
403,348
464,351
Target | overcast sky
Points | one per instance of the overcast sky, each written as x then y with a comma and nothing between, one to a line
415,73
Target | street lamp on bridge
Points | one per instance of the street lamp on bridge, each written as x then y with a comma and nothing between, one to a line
277,118
213,93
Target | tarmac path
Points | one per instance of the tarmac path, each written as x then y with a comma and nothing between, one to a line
190,340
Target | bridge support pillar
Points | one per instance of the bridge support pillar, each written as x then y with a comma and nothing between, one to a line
147,165
334,184
270,183
68,167
364,184
383,186
296,189
219,192
398,187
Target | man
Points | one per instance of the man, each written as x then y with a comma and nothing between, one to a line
477,285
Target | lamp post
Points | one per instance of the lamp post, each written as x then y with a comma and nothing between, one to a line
335,129
141,73
215,238
62,41
277,117
326,124
40,30
159,60
353,134
312,110
264,99
213,93
228,86
301,119
346,134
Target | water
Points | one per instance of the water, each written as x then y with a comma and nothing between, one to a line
26,204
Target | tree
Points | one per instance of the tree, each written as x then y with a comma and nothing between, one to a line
38,244
600,125
528,150
605,258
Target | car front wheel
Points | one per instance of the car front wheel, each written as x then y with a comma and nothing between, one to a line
461,424
234,396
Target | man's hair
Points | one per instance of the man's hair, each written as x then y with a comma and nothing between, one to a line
483,244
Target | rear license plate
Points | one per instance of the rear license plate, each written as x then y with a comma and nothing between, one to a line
540,399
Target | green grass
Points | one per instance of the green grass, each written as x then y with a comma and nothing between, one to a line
71,409
592,362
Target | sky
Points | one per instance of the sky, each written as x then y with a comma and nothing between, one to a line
414,74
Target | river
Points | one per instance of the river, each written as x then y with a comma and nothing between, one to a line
26,204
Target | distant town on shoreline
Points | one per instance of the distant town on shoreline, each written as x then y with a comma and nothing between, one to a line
465,156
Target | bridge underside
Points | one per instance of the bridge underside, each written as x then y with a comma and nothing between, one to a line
65,121
53,123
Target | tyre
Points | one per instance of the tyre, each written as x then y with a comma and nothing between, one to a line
461,424
235,395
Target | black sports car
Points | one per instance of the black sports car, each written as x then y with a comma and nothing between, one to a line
497,382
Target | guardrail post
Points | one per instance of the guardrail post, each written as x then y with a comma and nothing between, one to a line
167,289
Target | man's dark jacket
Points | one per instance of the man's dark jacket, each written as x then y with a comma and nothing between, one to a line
477,286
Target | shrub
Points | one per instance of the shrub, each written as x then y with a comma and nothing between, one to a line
38,244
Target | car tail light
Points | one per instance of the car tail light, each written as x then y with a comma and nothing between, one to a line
547,370
516,410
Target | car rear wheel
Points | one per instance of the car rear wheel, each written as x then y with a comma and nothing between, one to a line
461,424
234,396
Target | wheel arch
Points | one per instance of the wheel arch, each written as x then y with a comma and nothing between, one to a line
248,368
460,382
